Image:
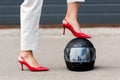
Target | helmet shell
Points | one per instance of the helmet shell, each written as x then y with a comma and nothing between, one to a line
79,55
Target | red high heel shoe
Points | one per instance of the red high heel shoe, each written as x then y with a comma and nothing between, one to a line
70,27
23,62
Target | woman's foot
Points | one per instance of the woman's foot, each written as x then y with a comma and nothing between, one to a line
29,58
26,58
74,23
73,28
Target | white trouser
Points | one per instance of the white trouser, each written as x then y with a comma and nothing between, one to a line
68,1
30,13
30,16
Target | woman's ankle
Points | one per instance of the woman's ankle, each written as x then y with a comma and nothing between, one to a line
26,54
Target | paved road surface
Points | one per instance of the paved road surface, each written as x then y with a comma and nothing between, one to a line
52,43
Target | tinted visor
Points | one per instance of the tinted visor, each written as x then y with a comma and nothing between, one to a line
81,55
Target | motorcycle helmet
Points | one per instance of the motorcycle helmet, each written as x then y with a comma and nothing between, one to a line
79,55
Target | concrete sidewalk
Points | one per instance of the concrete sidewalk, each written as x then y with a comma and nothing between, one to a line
52,44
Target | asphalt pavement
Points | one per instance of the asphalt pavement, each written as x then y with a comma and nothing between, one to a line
51,46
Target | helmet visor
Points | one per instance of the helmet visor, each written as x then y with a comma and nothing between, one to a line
82,54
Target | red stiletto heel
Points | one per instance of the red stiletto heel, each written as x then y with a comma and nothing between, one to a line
23,62
21,66
70,27
63,30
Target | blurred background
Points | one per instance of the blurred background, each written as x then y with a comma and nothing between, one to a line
90,12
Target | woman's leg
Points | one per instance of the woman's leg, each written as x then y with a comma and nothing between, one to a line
30,15
72,13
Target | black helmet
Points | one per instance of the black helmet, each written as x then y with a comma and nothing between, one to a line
80,55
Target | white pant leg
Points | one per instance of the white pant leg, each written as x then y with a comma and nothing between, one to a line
30,13
68,1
